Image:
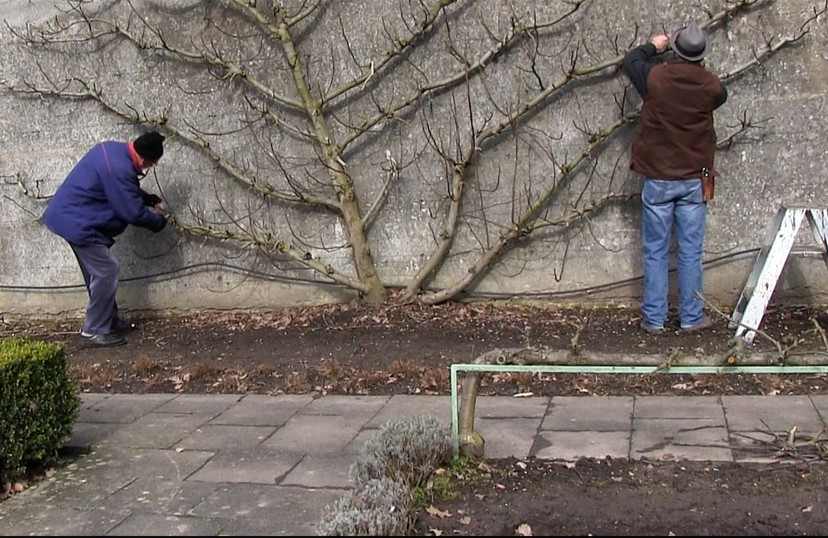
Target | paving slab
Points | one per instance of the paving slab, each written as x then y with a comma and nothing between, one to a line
199,403
167,525
402,405
321,471
36,521
119,408
219,437
316,434
678,407
86,435
360,408
155,496
275,510
573,445
158,430
773,413
683,438
505,437
247,466
590,413
509,406
262,410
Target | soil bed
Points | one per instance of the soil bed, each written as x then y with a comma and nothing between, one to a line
381,350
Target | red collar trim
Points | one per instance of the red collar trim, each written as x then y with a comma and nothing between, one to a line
136,159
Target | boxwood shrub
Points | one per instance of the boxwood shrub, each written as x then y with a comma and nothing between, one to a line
38,404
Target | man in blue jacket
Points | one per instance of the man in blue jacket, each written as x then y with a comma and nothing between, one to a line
99,198
673,148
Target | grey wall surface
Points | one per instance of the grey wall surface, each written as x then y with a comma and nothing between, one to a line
783,161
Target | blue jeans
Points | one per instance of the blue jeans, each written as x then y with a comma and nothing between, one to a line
667,203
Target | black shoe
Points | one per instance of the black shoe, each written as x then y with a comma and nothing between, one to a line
102,340
121,326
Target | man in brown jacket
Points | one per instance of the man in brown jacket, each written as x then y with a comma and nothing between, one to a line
673,147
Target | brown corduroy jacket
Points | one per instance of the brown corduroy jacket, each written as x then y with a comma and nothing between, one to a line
676,136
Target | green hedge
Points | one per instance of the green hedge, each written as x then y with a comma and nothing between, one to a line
38,404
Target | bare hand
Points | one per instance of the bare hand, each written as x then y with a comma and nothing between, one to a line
660,42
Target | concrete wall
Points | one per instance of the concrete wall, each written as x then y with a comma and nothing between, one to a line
595,260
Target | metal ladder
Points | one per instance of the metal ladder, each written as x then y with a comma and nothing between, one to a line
769,264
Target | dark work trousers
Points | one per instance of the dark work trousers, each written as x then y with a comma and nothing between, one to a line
100,273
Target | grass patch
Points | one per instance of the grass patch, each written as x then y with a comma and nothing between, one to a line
443,481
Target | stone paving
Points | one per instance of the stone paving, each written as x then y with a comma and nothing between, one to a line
210,465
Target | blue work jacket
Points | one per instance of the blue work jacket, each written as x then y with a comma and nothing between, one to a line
100,197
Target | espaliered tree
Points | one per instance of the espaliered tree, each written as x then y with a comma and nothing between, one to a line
460,93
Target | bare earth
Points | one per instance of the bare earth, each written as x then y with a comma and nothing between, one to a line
358,349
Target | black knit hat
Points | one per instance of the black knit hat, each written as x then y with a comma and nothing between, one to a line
150,145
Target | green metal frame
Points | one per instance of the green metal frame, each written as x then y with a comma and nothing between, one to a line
585,369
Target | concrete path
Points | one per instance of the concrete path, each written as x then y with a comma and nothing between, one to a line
193,465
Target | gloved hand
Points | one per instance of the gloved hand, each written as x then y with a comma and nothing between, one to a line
152,200
161,225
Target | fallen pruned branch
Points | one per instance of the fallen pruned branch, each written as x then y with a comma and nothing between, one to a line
790,445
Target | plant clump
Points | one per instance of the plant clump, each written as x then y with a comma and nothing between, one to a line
398,459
